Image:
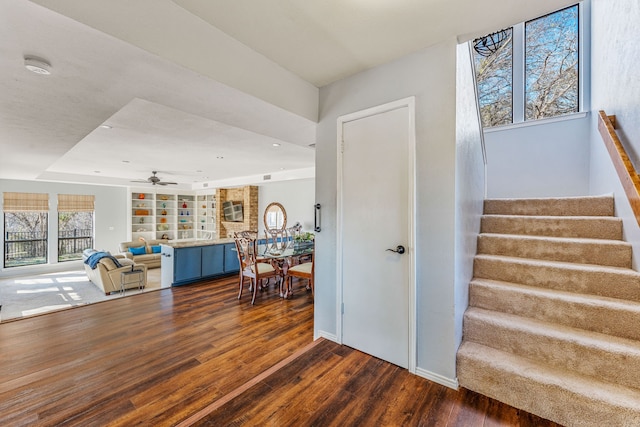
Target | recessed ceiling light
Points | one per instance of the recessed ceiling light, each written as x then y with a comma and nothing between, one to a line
37,65
198,171
205,177
125,161
96,171
219,157
275,144
106,127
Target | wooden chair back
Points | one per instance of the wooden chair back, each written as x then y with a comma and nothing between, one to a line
246,248
276,239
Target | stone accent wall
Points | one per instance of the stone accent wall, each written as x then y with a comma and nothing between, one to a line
248,196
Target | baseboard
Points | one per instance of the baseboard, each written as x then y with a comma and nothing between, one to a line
437,378
325,335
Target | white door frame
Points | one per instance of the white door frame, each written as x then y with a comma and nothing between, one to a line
411,186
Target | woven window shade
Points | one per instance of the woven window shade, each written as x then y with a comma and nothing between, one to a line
76,203
26,202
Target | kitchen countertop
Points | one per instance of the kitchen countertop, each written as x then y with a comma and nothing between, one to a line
194,243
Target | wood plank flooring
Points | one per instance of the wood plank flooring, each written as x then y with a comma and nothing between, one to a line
158,358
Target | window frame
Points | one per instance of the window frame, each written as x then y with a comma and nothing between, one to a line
92,237
518,69
6,242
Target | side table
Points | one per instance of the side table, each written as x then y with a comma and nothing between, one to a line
131,277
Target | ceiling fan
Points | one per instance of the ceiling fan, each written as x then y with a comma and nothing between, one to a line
153,179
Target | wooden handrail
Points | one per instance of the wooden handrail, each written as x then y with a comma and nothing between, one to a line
626,172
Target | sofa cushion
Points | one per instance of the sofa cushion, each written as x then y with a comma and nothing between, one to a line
155,249
138,251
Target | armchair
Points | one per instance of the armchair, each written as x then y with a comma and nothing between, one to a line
107,275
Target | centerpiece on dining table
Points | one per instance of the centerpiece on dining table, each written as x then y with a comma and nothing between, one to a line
303,240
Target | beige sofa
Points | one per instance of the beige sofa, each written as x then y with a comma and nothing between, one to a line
148,258
107,275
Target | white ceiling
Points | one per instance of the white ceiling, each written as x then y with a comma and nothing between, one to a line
179,115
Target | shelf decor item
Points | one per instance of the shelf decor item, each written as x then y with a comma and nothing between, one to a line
141,196
184,205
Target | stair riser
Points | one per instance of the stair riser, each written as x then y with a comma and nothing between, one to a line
584,206
589,228
604,318
615,254
588,357
547,400
623,285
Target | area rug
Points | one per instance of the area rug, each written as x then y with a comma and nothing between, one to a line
25,296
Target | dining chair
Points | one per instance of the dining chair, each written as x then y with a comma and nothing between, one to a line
294,230
276,239
251,268
248,234
302,271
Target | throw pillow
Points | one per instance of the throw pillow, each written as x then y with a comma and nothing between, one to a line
155,249
138,251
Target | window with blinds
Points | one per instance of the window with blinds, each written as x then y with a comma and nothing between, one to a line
75,225
26,202
76,203
26,222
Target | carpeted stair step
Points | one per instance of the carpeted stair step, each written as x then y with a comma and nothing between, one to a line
613,282
590,227
556,394
566,206
607,358
613,253
592,313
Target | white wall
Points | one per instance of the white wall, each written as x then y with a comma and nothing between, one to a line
545,159
615,73
111,216
470,184
430,76
297,197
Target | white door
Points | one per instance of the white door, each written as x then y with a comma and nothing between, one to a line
375,211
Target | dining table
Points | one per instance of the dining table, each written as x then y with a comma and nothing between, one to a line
282,256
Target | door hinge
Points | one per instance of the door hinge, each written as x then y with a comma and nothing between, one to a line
342,308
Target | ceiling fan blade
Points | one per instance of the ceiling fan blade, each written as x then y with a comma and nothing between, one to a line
141,180
166,183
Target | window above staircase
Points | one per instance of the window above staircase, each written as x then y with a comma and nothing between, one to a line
533,70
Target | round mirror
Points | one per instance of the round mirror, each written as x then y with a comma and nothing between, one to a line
275,217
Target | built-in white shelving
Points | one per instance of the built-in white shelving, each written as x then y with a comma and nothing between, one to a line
173,216
206,216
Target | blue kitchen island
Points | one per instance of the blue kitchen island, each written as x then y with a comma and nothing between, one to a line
189,261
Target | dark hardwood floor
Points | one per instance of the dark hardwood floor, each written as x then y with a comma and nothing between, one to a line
195,355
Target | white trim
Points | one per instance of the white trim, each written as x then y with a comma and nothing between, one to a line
518,91
409,103
437,378
326,335
539,122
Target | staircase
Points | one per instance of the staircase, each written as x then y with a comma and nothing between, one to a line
553,324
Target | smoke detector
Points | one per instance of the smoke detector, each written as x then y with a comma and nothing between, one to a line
37,65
